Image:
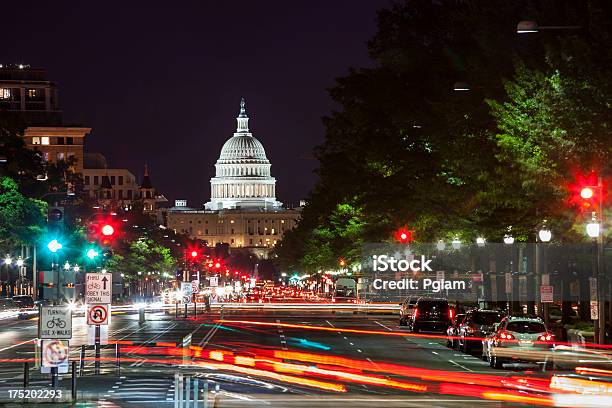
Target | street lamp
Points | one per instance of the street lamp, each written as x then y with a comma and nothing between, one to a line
481,241
456,243
66,266
530,26
592,228
8,260
461,87
545,235
440,245
508,239
19,262
77,268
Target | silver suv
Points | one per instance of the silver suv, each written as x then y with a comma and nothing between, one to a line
519,339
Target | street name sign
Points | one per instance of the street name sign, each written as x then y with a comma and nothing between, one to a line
55,323
99,288
98,314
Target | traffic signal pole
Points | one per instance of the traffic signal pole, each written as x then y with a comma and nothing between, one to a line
601,295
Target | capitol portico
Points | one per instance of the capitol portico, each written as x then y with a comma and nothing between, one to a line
243,210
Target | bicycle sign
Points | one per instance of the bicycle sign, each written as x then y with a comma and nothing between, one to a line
55,322
98,314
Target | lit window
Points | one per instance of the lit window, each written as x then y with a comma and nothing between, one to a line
36,140
33,93
44,140
5,93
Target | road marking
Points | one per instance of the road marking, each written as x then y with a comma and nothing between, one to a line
434,352
382,325
328,322
15,345
209,335
459,365
359,351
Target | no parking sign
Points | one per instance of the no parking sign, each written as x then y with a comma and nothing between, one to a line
54,353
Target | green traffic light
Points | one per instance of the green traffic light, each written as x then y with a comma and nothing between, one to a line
54,246
92,253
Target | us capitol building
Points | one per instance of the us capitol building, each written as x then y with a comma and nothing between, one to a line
243,211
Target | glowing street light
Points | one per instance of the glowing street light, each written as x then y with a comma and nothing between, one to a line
440,245
592,228
545,235
456,244
480,241
76,268
20,262
8,260
67,266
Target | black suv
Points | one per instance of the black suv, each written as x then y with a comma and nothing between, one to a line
431,315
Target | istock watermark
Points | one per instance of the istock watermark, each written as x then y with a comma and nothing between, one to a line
431,285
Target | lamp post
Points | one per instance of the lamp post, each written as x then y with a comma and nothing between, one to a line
544,235
7,264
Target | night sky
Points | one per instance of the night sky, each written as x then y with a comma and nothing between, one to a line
160,82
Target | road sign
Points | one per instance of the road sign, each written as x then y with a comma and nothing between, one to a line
213,281
545,279
98,314
91,335
54,353
594,310
546,294
186,290
55,323
99,288
195,286
593,288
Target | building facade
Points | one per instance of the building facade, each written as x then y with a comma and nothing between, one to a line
243,211
58,143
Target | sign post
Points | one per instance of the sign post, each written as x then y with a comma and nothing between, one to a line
98,296
546,294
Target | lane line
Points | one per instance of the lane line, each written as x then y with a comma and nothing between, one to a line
460,365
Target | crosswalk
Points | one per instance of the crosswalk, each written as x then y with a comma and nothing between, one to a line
141,390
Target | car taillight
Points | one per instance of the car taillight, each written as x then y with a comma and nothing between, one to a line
546,337
450,314
506,336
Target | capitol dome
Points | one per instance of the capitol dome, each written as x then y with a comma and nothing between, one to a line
242,177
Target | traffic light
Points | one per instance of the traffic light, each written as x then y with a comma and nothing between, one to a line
54,245
403,235
194,254
584,192
92,253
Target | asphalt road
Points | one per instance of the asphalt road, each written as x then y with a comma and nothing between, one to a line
260,358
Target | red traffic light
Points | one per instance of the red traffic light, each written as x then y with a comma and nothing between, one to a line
585,192
217,265
404,235
108,230
194,254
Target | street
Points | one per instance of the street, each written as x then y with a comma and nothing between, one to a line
272,357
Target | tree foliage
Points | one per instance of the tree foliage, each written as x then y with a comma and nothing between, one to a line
404,149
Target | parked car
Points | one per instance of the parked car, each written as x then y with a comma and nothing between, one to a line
406,309
477,324
431,314
453,330
517,338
